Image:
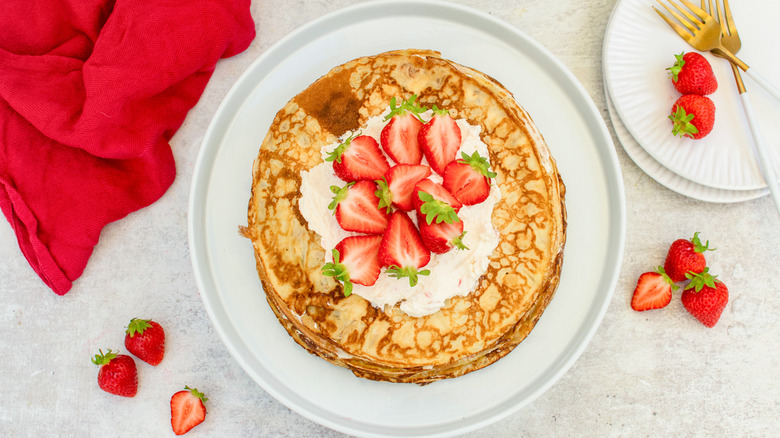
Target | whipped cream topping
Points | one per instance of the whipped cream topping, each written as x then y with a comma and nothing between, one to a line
455,273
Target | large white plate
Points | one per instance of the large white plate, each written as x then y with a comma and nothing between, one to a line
224,263
639,46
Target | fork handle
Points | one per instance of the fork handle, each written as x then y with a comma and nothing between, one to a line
763,154
764,83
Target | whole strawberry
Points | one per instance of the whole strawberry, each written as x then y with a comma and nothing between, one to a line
692,74
118,374
686,256
145,339
692,116
705,297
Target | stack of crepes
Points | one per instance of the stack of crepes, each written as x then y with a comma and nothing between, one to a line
91,91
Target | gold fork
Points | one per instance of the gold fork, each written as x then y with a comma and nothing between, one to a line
704,33
731,41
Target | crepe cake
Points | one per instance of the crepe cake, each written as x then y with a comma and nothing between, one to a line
469,332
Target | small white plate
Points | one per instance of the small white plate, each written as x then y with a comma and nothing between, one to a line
224,262
639,46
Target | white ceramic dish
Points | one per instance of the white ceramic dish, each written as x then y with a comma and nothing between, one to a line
669,179
224,263
639,46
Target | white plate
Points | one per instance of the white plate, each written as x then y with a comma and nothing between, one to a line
639,46
224,263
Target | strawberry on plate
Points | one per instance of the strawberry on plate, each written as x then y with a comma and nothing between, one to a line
468,179
686,256
187,410
398,184
692,116
145,339
435,203
692,74
705,297
653,291
439,140
402,249
118,374
355,260
441,237
357,208
358,158
399,136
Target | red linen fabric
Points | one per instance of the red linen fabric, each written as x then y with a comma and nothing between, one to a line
91,91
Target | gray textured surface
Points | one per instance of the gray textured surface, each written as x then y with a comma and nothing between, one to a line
656,373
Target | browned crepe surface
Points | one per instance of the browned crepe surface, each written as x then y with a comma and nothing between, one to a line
386,344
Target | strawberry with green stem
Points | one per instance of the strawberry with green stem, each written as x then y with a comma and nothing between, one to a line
692,74
686,256
402,249
692,116
435,203
653,291
399,137
358,158
705,297
145,339
357,208
468,179
397,185
439,140
355,260
118,374
188,410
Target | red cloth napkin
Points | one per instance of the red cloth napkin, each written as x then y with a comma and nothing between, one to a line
90,93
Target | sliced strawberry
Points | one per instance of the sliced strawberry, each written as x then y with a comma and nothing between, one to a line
439,140
357,208
402,249
653,291
441,237
355,260
468,178
358,158
187,410
399,136
434,202
398,184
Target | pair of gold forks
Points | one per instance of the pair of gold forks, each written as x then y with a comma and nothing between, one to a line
713,29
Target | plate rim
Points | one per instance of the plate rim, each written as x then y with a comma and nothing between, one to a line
607,157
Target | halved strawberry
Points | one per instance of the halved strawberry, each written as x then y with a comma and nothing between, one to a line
402,249
358,158
442,237
355,260
187,410
398,184
399,136
468,178
357,208
439,140
435,203
653,291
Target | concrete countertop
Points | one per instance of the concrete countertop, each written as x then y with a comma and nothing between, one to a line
643,374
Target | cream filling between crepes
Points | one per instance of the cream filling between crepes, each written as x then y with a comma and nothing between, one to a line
455,273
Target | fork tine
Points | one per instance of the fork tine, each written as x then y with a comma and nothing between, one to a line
692,22
676,27
685,22
717,14
698,11
729,19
